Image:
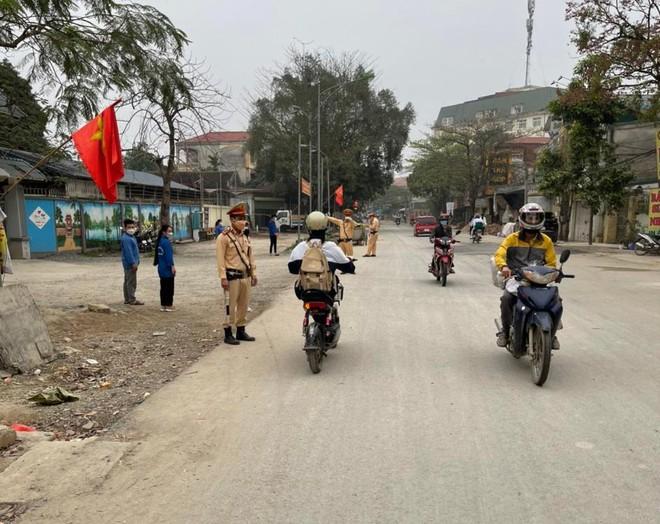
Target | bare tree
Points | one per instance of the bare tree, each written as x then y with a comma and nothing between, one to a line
171,102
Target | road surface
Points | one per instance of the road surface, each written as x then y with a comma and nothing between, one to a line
416,417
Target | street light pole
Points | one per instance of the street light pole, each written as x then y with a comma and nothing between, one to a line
299,182
318,142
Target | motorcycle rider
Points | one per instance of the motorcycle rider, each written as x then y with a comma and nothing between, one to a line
317,224
442,230
478,222
528,247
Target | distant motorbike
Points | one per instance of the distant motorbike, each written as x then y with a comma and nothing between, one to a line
321,327
397,221
646,244
537,316
443,258
476,236
145,240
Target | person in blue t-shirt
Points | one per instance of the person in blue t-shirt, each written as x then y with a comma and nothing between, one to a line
274,231
130,259
219,228
164,259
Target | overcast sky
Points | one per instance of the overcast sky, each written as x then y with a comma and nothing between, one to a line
429,52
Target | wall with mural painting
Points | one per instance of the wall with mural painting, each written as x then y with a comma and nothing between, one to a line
59,225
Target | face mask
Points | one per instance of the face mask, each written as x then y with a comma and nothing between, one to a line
239,225
130,230
169,234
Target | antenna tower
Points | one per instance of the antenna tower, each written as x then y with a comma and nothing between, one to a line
531,6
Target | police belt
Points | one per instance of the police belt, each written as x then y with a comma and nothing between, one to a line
235,274
350,241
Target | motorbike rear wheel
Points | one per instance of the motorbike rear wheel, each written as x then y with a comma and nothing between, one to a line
541,353
641,249
314,357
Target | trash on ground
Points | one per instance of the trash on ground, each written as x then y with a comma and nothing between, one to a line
53,396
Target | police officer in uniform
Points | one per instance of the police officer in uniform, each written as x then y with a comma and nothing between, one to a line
237,272
374,228
346,229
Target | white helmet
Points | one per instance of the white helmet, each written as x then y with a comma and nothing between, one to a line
316,221
531,217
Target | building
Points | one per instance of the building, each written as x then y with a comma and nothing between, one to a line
218,151
59,208
522,111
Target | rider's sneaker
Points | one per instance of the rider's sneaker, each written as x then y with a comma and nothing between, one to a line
451,270
555,343
502,340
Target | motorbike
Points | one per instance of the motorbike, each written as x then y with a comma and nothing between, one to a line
321,327
145,240
397,221
537,316
443,258
647,243
476,236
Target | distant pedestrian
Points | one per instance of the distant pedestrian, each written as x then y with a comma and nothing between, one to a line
508,228
219,228
130,259
274,231
164,259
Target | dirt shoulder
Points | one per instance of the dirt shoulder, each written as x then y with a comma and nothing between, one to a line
113,361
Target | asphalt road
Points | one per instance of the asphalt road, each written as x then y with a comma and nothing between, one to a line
416,417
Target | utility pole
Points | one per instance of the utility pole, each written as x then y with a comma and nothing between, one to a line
311,175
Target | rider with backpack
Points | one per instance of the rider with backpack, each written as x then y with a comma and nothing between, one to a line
316,260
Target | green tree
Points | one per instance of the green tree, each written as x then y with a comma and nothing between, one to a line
363,131
83,50
584,166
457,161
392,200
624,36
140,158
22,119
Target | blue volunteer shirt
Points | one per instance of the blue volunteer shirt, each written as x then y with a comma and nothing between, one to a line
272,228
165,258
130,255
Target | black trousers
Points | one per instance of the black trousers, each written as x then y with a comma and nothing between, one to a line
507,303
166,291
273,244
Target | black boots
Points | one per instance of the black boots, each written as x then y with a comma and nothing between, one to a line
242,335
229,338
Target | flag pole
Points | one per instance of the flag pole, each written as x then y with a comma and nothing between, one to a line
36,166
44,160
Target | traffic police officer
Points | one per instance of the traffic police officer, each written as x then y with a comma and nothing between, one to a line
374,227
346,229
237,272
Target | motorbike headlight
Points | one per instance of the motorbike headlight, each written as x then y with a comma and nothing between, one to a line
540,278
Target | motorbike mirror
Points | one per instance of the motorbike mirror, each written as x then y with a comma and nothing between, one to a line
564,255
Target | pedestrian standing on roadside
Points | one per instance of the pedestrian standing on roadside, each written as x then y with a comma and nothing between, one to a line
274,231
218,228
374,228
130,259
164,259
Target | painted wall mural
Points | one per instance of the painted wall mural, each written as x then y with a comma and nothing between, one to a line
68,226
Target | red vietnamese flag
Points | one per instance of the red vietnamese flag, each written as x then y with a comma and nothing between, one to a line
99,148
339,195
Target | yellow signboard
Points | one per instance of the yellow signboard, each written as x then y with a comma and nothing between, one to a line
654,210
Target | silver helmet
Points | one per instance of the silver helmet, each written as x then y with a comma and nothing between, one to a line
531,217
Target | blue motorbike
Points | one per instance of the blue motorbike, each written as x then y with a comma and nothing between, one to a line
537,316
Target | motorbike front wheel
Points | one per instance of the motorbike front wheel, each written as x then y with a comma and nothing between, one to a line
541,353
443,278
641,249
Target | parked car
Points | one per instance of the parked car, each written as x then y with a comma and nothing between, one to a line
425,225
551,226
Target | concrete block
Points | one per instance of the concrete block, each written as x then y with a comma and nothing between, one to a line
7,437
24,340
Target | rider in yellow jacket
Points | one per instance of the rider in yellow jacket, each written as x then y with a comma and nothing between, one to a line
527,247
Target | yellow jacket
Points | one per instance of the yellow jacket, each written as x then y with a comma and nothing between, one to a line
515,253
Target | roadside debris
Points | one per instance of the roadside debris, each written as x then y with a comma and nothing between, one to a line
53,396
99,308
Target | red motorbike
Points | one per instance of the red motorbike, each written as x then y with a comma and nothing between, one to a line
443,258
